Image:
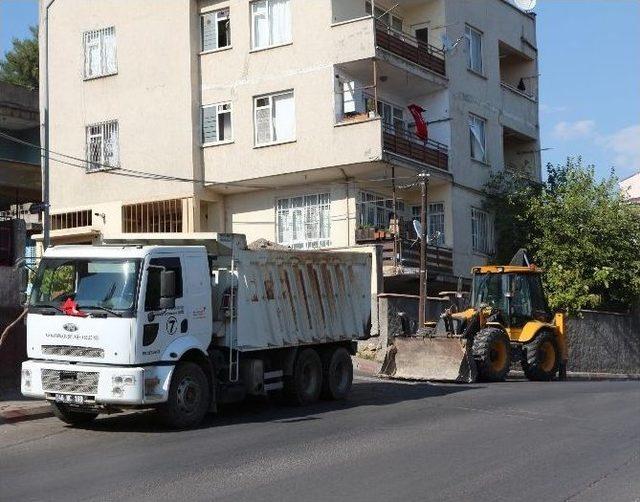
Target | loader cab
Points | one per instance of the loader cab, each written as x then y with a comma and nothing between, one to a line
515,291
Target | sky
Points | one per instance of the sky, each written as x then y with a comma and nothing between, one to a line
589,54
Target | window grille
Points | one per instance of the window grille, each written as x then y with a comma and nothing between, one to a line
435,222
153,217
274,118
304,222
73,219
100,54
103,149
481,236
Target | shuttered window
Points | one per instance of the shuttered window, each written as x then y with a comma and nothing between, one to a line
100,55
304,222
274,118
103,148
216,123
215,30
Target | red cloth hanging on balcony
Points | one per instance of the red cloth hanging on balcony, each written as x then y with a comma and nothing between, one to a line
422,131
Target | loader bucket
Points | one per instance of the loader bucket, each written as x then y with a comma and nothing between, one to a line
430,358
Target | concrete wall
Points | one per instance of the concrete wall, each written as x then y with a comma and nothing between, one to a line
604,342
13,280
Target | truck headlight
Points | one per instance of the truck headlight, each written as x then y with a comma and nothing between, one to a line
124,380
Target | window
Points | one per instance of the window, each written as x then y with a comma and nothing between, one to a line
480,231
376,211
216,123
215,30
304,222
474,49
102,146
160,216
100,53
435,222
478,138
385,16
274,118
392,116
270,23
156,265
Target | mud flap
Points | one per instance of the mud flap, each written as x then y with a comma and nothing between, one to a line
430,358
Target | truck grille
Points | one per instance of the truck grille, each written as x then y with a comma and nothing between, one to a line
69,381
70,350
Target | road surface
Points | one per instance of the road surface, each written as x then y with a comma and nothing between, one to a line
559,441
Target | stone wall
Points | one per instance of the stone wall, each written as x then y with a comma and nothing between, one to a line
604,342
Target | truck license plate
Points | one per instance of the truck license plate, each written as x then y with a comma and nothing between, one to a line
69,398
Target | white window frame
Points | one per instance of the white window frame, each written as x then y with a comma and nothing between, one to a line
108,63
434,212
474,50
272,126
480,220
109,151
314,234
375,210
270,43
218,16
386,17
221,109
478,136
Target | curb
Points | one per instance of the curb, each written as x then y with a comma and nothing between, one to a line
24,414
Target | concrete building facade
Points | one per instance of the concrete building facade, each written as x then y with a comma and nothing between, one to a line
291,120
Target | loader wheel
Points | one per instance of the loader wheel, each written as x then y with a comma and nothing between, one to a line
541,358
72,417
492,354
304,386
337,374
189,397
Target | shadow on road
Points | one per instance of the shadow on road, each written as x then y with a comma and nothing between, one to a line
257,410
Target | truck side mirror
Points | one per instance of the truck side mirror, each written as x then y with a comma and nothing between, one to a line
167,289
23,298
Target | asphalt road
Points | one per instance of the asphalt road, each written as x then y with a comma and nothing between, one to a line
516,441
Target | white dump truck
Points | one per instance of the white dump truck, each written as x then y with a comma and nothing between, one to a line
182,328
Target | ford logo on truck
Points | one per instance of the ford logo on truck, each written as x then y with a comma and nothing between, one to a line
70,327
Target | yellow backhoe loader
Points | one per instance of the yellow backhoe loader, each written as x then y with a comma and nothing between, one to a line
508,321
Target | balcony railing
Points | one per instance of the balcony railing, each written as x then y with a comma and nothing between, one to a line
408,47
406,143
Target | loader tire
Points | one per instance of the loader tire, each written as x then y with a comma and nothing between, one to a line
305,384
72,417
189,397
337,374
492,354
541,358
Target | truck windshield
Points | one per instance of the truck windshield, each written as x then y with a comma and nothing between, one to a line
105,285
490,289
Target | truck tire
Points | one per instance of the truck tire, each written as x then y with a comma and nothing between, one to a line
189,397
305,384
337,374
72,417
541,358
492,354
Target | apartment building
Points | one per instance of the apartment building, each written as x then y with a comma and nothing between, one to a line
291,120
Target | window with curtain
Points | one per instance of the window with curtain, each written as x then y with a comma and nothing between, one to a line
481,236
215,30
270,23
374,210
100,58
304,222
477,135
274,118
474,49
216,123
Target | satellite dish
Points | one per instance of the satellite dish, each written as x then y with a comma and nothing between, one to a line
526,5
417,226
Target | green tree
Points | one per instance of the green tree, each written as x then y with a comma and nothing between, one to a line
581,230
20,64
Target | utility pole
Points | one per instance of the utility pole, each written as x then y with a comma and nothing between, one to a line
424,183
46,224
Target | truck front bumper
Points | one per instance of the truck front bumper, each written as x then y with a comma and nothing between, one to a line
98,384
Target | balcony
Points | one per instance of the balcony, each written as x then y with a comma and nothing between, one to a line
406,143
407,47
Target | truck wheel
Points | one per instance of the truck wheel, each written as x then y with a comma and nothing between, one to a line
541,358
304,386
337,374
189,397
69,416
492,354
